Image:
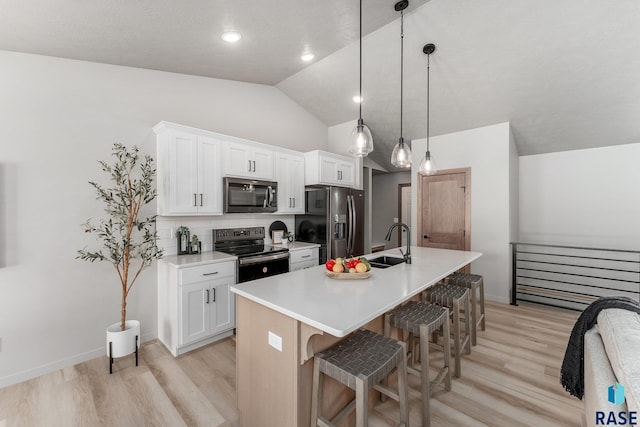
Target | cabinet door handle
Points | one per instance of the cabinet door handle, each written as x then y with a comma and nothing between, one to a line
210,274
200,199
249,166
207,296
306,256
195,199
214,294
294,202
254,165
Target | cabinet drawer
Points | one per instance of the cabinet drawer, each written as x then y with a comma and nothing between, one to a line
304,264
303,255
206,272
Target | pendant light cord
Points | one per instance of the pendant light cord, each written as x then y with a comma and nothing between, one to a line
401,69
428,66
360,103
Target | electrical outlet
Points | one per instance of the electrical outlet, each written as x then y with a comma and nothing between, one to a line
275,341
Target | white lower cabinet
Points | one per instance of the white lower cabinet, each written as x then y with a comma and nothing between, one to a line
195,305
300,259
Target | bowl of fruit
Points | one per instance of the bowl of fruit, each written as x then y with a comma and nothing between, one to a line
347,269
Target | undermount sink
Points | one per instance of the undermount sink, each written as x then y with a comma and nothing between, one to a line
385,261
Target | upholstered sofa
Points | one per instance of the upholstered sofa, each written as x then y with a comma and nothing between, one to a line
612,354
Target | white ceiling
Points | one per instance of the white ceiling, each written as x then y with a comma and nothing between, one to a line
566,74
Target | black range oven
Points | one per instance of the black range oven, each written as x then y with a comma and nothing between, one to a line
255,259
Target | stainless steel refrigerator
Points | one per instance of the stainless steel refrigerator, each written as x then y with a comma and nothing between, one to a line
334,218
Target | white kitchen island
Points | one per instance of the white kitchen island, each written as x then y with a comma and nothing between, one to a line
283,320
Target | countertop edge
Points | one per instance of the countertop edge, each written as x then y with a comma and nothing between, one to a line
205,258
344,332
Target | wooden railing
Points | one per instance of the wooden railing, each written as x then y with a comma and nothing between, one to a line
572,277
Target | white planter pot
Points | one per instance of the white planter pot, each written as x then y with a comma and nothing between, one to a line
123,342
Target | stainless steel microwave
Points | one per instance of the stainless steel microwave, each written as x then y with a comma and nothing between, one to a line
249,195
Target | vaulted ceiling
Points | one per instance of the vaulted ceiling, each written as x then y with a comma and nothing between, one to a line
566,74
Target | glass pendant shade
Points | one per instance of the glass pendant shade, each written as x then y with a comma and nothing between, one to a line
401,155
361,143
427,165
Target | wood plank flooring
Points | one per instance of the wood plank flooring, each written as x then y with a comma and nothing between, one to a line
511,378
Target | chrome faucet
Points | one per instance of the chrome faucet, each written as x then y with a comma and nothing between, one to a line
405,255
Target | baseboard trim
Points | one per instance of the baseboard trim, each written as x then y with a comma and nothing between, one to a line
60,364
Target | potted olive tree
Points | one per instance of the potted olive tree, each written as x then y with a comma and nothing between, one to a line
128,239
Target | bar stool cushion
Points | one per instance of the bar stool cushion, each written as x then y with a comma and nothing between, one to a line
410,316
363,354
445,294
464,279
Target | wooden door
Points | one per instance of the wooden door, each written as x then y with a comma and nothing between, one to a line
444,210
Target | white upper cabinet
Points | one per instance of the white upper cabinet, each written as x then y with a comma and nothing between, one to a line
290,177
188,172
248,160
326,168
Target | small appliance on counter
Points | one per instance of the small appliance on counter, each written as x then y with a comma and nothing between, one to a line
255,259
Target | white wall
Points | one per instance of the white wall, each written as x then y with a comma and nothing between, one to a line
582,198
385,206
57,118
488,152
338,137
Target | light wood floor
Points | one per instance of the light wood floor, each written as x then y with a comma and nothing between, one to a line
510,379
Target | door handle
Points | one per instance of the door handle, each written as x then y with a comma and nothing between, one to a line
209,274
254,165
200,199
214,294
425,237
195,199
249,170
207,296
294,202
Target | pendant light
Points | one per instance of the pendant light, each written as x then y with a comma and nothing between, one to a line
428,164
361,141
401,155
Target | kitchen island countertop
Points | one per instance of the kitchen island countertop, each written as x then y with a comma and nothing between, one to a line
339,307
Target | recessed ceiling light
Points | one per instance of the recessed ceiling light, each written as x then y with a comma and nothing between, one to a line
231,36
307,57
357,99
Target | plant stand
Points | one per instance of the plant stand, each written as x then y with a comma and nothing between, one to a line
122,343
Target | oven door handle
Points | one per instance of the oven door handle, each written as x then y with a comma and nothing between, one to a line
263,258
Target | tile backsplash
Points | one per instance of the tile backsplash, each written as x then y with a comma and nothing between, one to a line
202,226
